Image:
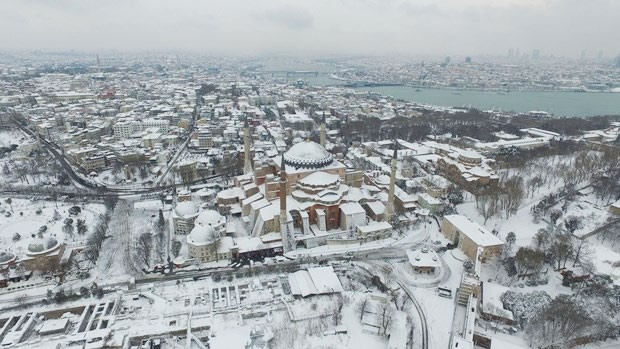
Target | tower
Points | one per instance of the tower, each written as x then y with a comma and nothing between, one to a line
284,227
247,165
389,209
323,135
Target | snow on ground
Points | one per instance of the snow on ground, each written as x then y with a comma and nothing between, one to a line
593,213
605,259
439,313
116,260
12,136
25,221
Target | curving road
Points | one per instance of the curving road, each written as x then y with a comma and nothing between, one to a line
80,182
403,285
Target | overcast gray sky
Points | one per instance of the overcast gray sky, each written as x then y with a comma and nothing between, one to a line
262,27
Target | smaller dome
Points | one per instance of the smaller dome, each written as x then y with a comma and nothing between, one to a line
42,245
383,180
210,217
202,235
470,154
319,179
6,257
186,209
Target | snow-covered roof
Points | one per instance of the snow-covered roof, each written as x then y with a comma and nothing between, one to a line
376,206
423,258
319,179
210,217
308,154
186,209
314,281
477,233
351,208
374,227
201,235
54,325
491,302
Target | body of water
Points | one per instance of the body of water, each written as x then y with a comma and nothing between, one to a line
556,103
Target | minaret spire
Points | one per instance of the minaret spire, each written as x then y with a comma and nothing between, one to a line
323,135
247,164
284,228
389,209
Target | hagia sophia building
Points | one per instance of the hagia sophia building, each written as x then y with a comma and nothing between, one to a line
307,197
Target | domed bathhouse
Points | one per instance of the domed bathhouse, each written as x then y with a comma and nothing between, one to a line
209,228
183,217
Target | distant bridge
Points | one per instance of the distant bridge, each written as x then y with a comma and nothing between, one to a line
368,84
292,72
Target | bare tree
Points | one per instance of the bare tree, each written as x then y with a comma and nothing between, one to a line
144,247
21,299
337,311
561,249
215,244
363,306
581,250
385,314
399,298
560,321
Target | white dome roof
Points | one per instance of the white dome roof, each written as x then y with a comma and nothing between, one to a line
42,245
202,235
383,180
186,208
210,217
307,154
470,154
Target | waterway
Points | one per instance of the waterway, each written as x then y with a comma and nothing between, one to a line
582,104
558,103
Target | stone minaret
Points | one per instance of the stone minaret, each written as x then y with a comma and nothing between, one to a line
323,135
389,209
286,234
247,164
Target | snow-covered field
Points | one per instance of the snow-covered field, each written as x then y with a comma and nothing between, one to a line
27,217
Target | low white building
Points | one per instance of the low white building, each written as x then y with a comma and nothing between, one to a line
314,281
424,261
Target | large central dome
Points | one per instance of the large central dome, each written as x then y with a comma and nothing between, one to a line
307,154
